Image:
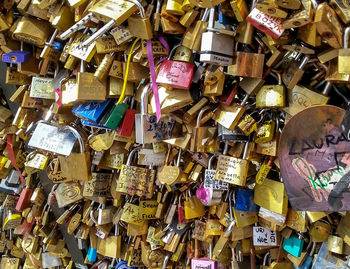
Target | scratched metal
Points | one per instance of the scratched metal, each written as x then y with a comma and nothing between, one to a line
314,158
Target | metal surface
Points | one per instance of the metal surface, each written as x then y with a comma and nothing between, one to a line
314,158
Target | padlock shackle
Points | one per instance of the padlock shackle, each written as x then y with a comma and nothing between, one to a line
225,149
178,158
82,66
205,14
304,62
327,88
277,75
245,150
210,161
74,28
144,98
265,258
211,17
158,6
78,137
131,155
140,7
200,115
99,33
172,52
346,37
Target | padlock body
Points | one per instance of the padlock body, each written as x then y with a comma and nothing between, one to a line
126,127
344,61
176,74
216,49
268,24
16,57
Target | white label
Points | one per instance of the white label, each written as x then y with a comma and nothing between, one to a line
211,183
264,237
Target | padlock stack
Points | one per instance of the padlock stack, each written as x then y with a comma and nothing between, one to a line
175,134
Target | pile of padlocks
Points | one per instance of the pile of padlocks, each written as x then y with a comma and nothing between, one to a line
199,134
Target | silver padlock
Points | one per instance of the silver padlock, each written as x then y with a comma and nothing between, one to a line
216,48
209,178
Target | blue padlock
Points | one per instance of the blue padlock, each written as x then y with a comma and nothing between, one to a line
308,261
16,57
245,201
92,254
92,111
57,46
123,265
293,245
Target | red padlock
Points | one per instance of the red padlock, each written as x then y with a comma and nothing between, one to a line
175,74
227,98
24,199
127,125
270,25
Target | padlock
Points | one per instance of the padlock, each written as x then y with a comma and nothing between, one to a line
267,23
271,95
77,165
121,11
175,74
135,180
241,66
244,201
193,207
172,175
271,8
293,245
302,17
193,35
140,26
328,25
147,128
343,53
233,170
89,87
127,125
209,178
216,48
200,135
263,196
209,196
335,244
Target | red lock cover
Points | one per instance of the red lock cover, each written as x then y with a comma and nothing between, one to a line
270,25
127,125
176,74
24,199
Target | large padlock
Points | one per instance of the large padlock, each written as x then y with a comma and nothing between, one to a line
135,180
216,48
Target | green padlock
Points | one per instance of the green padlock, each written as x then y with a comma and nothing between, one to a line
114,116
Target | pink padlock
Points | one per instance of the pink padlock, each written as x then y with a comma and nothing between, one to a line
203,263
175,74
209,196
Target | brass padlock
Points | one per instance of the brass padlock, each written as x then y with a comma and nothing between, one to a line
76,166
